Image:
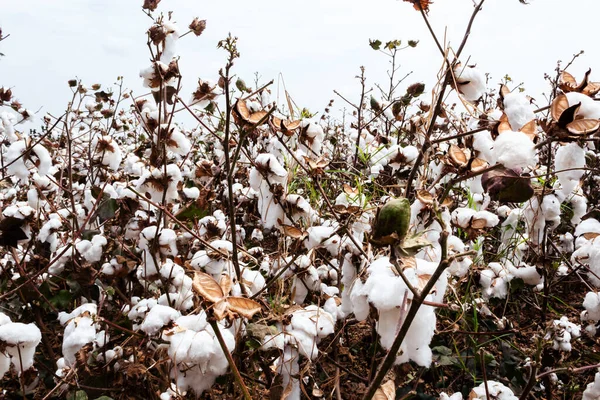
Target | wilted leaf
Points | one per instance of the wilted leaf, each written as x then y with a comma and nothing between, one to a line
420,4
375,44
506,185
293,232
387,391
243,306
413,244
206,286
225,284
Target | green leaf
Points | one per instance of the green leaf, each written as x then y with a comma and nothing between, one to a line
393,44
62,299
192,213
78,395
375,44
413,244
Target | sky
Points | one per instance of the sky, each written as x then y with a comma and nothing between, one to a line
314,46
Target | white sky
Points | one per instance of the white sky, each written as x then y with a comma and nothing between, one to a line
318,45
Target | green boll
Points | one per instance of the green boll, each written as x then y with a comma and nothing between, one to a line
392,221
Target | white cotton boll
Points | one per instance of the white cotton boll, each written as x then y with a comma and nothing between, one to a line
7,122
592,390
455,396
484,145
157,318
496,390
92,250
317,235
168,242
471,82
21,341
551,210
177,142
589,255
514,150
518,109
78,332
561,332
253,280
191,193
588,109
590,225
529,274
410,153
494,281
570,156
87,308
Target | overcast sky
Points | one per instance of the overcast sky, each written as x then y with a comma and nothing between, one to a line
316,45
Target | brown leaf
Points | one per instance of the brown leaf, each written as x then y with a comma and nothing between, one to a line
420,4
225,283
293,232
478,165
206,286
243,306
255,118
387,391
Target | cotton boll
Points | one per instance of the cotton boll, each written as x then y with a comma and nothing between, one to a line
518,109
496,390
572,157
592,390
484,145
494,281
471,82
455,396
561,332
21,341
514,150
588,109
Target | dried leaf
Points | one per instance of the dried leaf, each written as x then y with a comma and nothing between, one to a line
387,391
478,165
206,286
420,4
530,129
424,196
243,306
225,284
293,232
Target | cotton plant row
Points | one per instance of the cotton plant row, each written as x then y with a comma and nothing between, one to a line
136,205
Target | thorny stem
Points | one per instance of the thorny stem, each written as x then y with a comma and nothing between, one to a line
390,358
236,373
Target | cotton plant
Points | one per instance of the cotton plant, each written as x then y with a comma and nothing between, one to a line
591,314
81,328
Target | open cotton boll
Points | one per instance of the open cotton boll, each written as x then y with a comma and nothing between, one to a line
7,122
267,173
514,150
496,390
157,318
592,390
107,151
18,162
484,145
572,157
518,109
20,341
470,82
317,235
590,225
92,251
561,332
78,332
588,254
588,109
463,217
455,396
591,303
494,281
